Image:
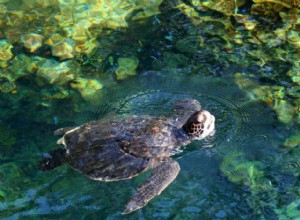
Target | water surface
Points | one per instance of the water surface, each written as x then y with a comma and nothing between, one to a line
243,172
209,185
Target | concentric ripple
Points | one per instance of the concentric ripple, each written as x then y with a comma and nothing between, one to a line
153,93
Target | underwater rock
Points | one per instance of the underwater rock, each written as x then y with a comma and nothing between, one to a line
54,93
284,110
294,92
293,141
5,53
280,33
149,8
87,87
188,45
7,136
23,65
274,96
240,171
7,84
63,50
249,23
267,10
15,18
3,11
126,67
54,39
290,211
78,33
294,73
226,7
291,16
34,64
293,38
283,3
33,4
175,60
87,47
54,72
32,41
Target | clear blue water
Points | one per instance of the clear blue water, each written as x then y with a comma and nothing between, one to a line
242,172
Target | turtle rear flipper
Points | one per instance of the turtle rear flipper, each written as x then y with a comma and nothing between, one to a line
54,159
162,175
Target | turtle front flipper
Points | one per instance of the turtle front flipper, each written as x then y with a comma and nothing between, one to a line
54,159
162,175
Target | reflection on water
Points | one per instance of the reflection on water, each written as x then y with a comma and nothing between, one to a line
243,175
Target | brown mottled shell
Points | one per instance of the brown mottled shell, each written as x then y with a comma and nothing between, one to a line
120,149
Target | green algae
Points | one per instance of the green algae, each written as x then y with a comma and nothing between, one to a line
87,88
126,67
293,141
53,72
5,53
241,171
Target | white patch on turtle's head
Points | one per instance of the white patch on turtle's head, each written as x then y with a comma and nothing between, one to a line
200,125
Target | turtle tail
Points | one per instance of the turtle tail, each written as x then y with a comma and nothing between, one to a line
54,159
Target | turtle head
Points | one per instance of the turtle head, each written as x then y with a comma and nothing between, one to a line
200,125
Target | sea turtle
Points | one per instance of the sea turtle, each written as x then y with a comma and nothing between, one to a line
118,149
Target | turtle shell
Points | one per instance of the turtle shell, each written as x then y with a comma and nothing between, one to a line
115,149
120,149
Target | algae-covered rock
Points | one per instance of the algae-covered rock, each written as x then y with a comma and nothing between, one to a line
283,3
248,22
175,60
87,87
54,72
266,93
293,38
7,83
291,211
294,73
64,50
54,93
32,41
7,136
87,47
284,110
290,16
227,7
33,4
5,53
240,171
126,67
274,96
293,141
23,65
148,8
188,44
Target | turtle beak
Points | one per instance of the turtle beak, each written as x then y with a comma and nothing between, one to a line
208,121
200,125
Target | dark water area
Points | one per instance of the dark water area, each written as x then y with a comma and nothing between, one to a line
249,169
